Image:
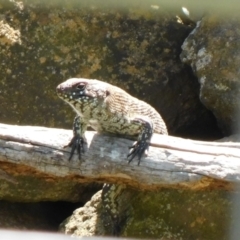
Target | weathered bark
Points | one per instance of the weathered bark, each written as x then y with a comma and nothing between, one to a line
171,162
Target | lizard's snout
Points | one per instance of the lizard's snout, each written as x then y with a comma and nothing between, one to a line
60,88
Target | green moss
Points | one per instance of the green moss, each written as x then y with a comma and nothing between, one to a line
179,215
34,189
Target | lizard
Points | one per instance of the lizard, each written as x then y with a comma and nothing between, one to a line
109,109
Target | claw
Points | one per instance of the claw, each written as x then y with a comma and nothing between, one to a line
139,147
76,143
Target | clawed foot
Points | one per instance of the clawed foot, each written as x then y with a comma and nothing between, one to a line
142,144
137,149
76,143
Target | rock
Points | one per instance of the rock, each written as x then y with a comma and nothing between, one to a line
34,187
165,214
212,49
231,138
136,47
85,221
41,216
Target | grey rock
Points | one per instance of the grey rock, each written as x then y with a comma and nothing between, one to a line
213,49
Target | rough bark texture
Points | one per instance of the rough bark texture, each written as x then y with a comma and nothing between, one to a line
36,153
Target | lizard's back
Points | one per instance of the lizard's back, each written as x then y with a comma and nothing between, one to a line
121,105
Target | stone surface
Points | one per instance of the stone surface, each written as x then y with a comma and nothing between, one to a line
212,49
22,184
231,138
174,214
85,221
165,214
42,216
134,46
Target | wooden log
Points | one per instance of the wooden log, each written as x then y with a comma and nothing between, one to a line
171,161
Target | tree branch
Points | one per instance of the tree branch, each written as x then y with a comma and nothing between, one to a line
171,162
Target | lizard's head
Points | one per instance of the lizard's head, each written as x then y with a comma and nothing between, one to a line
81,90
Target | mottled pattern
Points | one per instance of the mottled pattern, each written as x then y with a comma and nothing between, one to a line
109,109
111,216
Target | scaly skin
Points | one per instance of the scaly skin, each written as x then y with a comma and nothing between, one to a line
109,109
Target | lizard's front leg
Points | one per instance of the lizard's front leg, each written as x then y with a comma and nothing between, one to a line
142,144
77,142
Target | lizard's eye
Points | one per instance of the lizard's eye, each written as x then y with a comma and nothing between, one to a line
81,86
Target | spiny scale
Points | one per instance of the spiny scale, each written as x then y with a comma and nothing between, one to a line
109,109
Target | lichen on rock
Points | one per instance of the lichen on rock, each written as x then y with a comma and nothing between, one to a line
9,35
163,214
212,50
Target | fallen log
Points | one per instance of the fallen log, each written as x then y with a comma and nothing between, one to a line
171,161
